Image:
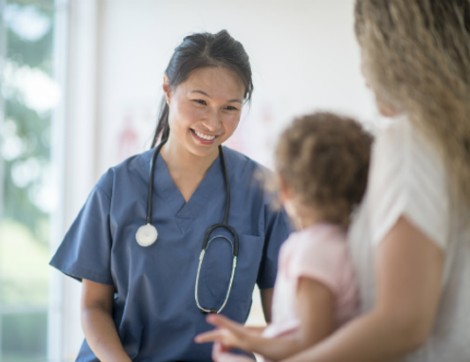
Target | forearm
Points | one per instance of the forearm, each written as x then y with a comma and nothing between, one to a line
101,335
278,348
371,337
266,303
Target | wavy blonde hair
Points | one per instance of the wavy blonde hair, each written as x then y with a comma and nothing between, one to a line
416,55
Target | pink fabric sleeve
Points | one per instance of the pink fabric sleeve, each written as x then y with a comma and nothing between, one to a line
322,260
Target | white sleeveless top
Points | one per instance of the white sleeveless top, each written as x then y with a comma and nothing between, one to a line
407,177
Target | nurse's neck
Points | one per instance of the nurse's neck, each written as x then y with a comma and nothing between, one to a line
186,169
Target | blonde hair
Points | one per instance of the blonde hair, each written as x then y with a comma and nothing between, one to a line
324,158
416,54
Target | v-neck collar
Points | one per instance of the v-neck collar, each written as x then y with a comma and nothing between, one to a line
169,194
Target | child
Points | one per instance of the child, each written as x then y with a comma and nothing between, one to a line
322,164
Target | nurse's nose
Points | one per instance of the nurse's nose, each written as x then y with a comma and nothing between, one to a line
212,121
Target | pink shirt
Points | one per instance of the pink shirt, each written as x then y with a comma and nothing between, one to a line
319,252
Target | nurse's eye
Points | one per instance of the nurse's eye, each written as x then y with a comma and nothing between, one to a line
201,102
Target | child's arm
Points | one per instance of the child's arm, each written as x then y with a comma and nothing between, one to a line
315,307
409,269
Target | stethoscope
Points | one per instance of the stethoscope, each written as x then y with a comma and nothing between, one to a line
147,234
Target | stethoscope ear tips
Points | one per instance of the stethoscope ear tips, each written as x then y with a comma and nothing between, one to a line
146,235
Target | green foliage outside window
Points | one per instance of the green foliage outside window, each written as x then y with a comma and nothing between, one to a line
28,95
26,127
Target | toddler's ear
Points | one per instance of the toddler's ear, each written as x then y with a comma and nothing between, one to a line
286,197
285,192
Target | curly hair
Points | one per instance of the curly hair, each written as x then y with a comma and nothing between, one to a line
416,54
324,159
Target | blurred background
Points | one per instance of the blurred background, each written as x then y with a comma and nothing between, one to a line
80,86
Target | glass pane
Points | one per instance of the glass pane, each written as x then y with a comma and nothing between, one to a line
23,336
28,96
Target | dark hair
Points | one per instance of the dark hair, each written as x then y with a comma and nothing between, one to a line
202,50
324,158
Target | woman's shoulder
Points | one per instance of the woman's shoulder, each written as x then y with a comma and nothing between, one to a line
407,177
134,162
246,172
242,162
402,151
402,137
135,165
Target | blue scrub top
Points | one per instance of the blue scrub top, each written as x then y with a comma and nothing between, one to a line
154,306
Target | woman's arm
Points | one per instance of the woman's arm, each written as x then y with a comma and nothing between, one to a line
97,323
409,268
315,308
267,302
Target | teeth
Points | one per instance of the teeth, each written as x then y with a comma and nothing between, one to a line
204,136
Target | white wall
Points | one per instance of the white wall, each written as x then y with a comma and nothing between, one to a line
303,53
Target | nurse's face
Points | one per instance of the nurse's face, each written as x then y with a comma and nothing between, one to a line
204,110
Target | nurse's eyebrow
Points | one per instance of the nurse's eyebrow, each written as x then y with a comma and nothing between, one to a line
235,100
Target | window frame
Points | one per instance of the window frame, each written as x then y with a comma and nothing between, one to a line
74,155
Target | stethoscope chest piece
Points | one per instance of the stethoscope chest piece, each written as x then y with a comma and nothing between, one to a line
146,235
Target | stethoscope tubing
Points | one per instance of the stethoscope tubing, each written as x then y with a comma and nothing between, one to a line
153,161
207,237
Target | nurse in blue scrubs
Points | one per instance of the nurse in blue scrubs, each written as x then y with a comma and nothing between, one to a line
151,264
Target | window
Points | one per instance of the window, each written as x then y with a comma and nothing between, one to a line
28,99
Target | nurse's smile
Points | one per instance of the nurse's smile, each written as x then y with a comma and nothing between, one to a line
203,137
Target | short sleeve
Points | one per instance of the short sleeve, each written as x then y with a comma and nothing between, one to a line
277,231
85,251
407,178
323,259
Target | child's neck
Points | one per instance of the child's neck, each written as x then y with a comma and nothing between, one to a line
307,220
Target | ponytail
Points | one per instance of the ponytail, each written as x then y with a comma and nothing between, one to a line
163,127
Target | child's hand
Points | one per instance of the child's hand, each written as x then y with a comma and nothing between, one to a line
229,334
219,354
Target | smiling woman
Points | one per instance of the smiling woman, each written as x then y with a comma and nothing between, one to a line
144,297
